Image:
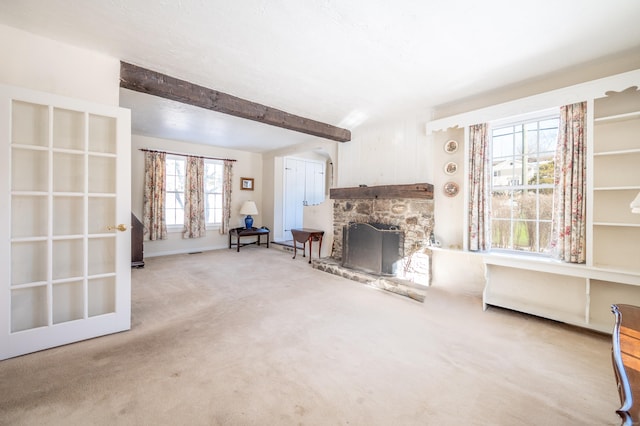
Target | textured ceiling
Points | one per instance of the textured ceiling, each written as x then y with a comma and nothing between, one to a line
340,62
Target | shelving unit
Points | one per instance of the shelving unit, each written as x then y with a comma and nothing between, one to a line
616,181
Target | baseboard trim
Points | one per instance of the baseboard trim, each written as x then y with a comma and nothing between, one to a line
183,251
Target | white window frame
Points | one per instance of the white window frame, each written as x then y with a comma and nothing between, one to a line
535,117
179,227
173,227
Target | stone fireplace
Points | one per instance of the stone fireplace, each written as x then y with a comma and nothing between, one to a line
372,247
407,208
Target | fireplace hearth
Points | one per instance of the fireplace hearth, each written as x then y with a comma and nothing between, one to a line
407,209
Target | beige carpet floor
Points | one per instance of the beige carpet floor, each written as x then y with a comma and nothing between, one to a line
256,338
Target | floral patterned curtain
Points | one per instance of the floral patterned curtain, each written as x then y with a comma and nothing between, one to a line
153,215
194,202
226,195
569,219
479,188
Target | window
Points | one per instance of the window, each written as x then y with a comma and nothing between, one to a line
175,178
175,185
522,183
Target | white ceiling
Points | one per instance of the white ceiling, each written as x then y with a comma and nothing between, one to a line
340,62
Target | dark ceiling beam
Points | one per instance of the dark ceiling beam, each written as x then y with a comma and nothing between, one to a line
143,80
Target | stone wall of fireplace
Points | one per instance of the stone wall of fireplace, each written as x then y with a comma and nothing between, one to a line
413,216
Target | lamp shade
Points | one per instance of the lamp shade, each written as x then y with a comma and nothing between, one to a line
635,204
249,207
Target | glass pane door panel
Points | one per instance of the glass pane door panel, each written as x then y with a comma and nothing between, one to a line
29,216
68,215
102,134
68,302
68,259
68,129
102,296
28,262
29,124
102,213
28,308
102,175
102,255
60,259
68,172
32,174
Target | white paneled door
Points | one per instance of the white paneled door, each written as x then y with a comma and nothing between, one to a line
65,249
294,178
304,183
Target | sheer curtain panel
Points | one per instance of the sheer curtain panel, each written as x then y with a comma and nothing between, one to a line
479,188
194,215
569,218
226,196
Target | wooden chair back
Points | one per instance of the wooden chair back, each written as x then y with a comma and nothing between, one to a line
626,361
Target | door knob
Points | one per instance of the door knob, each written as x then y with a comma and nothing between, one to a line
122,227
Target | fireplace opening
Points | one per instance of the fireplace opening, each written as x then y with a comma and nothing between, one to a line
372,247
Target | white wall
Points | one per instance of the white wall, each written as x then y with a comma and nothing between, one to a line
459,271
395,151
448,212
603,67
42,64
247,165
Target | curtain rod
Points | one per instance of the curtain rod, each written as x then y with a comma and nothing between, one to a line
185,155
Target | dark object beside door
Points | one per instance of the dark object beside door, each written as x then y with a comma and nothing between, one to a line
137,245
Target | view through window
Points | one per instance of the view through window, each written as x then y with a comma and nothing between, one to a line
175,187
522,184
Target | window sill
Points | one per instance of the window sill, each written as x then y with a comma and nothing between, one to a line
178,229
455,250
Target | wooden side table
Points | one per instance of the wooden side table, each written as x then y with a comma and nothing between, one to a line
244,232
303,235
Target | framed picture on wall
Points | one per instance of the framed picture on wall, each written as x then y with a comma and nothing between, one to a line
246,184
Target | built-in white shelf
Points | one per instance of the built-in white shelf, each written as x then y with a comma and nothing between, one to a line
618,117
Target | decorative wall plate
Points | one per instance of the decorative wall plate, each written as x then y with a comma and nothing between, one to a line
451,189
451,146
450,168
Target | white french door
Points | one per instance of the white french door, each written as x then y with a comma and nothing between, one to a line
65,247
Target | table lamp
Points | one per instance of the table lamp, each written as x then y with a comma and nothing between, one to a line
248,208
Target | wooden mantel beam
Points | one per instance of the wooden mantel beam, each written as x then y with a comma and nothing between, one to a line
146,81
416,190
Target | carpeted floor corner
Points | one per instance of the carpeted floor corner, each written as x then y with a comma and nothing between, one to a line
256,338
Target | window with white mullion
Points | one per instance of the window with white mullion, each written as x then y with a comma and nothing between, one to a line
175,191
522,183
213,183
175,183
